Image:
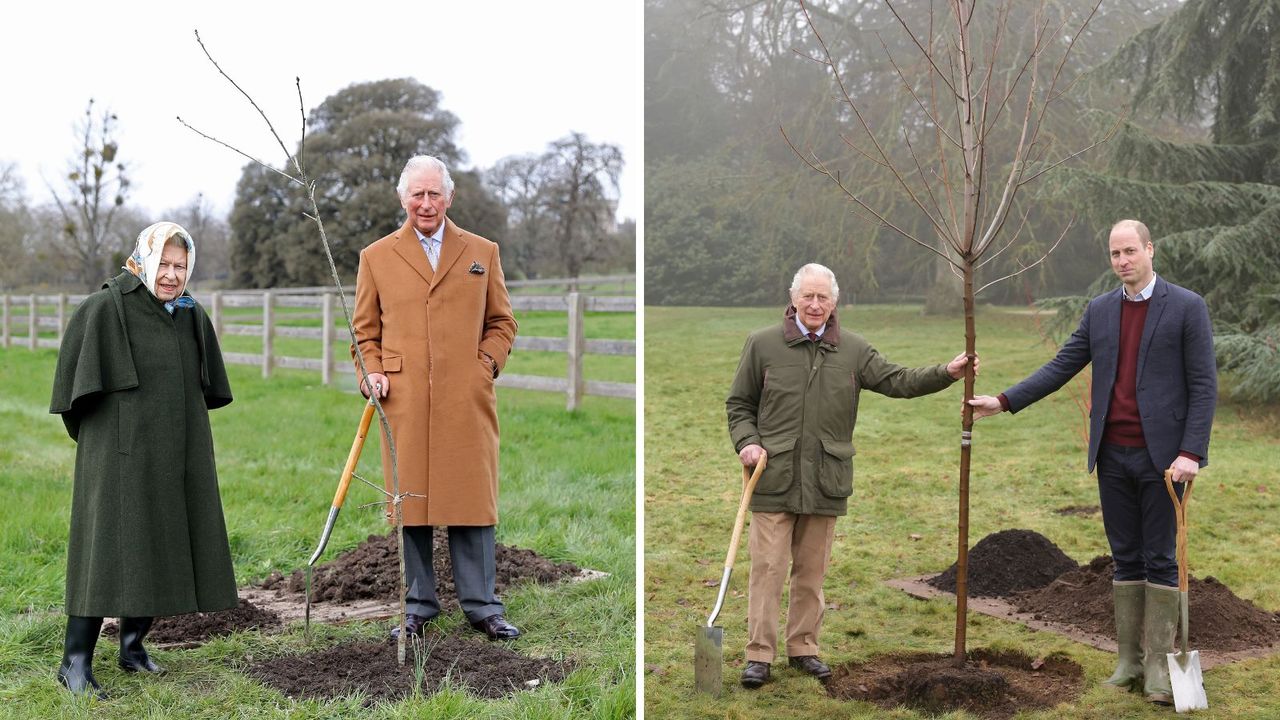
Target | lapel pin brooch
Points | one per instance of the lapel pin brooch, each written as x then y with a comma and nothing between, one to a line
476,268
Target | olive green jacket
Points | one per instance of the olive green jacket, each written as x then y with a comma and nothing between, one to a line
799,400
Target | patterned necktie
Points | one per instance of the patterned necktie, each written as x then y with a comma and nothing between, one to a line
813,337
433,252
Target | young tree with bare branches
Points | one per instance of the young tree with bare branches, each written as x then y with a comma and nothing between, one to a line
973,142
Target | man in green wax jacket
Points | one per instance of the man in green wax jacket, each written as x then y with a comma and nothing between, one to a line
795,396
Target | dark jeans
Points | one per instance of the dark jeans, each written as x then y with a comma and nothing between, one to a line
1138,515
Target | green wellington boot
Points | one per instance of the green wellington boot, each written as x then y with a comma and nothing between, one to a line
1129,597
1160,624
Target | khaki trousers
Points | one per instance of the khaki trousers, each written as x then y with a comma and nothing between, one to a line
779,539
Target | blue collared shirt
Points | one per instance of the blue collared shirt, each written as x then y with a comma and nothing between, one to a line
437,239
1144,293
805,331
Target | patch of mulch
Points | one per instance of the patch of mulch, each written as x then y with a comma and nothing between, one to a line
486,669
201,627
371,570
1006,562
1219,620
1079,510
990,684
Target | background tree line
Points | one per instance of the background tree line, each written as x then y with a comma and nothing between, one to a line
552,213
730,210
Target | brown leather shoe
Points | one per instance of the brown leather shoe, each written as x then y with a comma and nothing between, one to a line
812,665
755,674
415,625
497,628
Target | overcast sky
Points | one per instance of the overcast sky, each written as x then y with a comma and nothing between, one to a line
516,74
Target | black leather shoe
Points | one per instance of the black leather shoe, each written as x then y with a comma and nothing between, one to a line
415,625
755,674
134,657
76,669
497,628
812,665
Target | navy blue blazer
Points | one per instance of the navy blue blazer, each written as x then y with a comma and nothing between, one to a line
1177,373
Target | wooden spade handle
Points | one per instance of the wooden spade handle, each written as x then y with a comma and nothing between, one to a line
1180,513
354,456
748,487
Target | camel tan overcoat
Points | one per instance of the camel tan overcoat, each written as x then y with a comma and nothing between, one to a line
428,333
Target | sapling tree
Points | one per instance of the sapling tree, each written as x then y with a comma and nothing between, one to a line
980,87
295,172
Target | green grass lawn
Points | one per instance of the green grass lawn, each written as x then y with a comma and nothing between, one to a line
567,492
1024,468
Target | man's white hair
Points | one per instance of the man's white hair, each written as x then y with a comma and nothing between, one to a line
417,164
816,269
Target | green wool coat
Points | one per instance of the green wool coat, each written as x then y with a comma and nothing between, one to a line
799,401
133,386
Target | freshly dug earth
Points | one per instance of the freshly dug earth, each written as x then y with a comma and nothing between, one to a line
487,669
1220,621
200,627
1008,561
371,570
990,684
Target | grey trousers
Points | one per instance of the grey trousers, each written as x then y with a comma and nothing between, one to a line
472,551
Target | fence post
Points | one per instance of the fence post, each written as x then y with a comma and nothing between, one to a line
576,348
326,338
33,333
6,321
62,315
215,309
268,330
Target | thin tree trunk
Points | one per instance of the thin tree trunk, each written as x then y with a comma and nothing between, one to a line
966,435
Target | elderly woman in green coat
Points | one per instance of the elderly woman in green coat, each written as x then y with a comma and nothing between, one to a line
138,371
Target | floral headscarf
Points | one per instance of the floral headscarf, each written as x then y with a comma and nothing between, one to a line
145,260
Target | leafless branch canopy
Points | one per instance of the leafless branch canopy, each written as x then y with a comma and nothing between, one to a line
949,164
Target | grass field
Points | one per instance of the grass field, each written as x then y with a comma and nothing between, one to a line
1024,467
567,491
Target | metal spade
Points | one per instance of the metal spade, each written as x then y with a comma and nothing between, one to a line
1184,666
708,647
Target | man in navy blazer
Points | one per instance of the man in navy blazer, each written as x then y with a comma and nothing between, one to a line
1155,386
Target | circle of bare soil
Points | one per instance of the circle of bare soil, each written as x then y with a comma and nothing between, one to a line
1007,561
371,570
486,669
196,628
1220,620
990,684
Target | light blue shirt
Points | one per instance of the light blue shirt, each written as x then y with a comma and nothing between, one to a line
1144,293
806,330
436,239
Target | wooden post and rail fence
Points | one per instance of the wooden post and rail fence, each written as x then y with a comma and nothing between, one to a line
24,312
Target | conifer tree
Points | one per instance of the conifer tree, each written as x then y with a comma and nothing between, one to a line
1212,203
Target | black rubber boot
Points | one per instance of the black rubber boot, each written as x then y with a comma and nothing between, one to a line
76,670
133,657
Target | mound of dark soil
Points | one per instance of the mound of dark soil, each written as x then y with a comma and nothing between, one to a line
1008,561
200,627
486,669
1219,620
989,684
371,570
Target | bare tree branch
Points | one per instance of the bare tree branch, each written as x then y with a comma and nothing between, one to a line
1037,262
821,168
